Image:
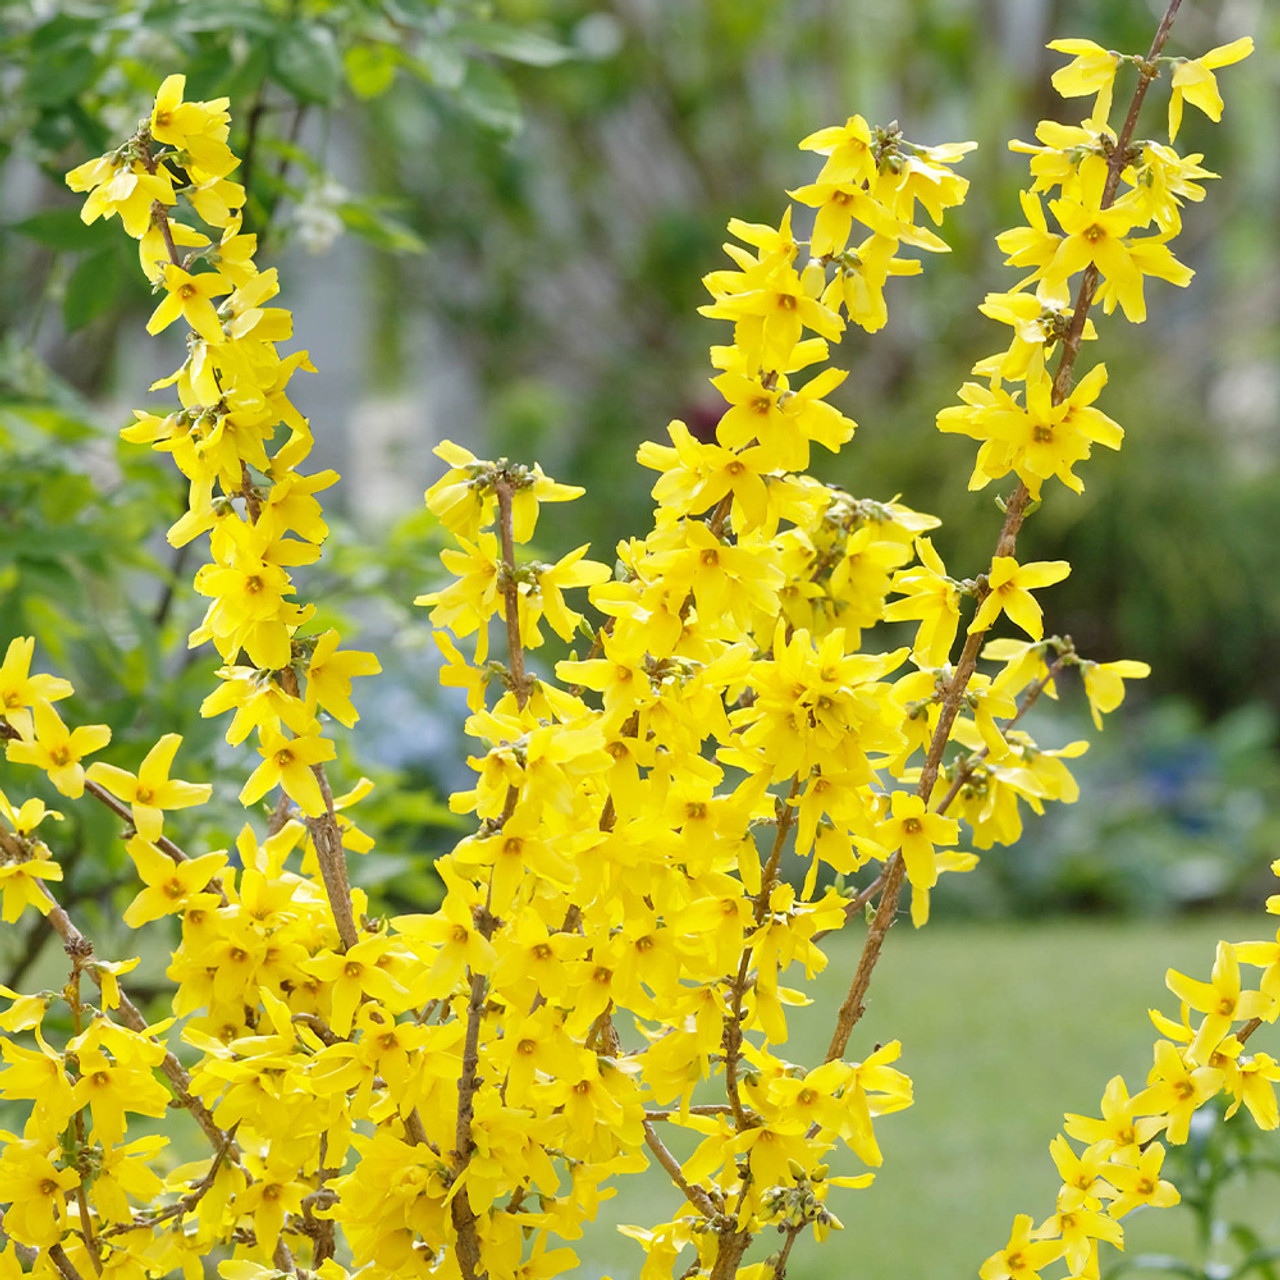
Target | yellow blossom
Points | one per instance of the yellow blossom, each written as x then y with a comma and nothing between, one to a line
189,296
152,791
1194,81
58,750
1010,585
289,763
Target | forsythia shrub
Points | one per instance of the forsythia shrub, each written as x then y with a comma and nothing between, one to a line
452,1094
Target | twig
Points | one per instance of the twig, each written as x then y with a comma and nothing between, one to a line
965,772
58,1256
695,1195
463,1216
132,1017
785,816
780,1265
699,1109
1015,512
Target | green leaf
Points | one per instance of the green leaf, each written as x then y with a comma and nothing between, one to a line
487,96
304,60
380,230
219,16
440,64
370,68
59,75
95,285
512,42
63,229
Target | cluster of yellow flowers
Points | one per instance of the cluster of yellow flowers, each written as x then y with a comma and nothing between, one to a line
1118,1169
663,829
1044,431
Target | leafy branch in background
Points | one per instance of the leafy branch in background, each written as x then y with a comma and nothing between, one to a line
82,555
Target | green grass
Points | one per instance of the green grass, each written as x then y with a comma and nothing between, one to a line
1003,1029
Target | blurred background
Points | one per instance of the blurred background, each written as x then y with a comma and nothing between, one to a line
491,222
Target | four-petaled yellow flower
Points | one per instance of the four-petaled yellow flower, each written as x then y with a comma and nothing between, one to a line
1009,592
151,791
57,750
189,296
290,763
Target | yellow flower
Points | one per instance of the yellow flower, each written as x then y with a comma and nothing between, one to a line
26,819
1221,1001
1098,236
1140,1183
152,790
35,1189
354,975
933,599
1119,1127
19,690
547,596
1092,70
58,750
1104,684
915,832
129,191
22,884
1022,1258
1195,82
329,676
189,296
111,1088
198,128
1010,586
848,150
289,763
169,884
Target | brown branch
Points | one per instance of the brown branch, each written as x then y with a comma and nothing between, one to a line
785,816
699,1109
511,592
66,1268
1015,512
695,1195
965,772
80,953
132,1017
195,1193
733,1242
461,1212
326,835
780,1265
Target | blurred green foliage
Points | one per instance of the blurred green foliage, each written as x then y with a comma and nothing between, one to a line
83,561
566,267
1175,813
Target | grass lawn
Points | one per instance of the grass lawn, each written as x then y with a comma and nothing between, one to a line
1003,1029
